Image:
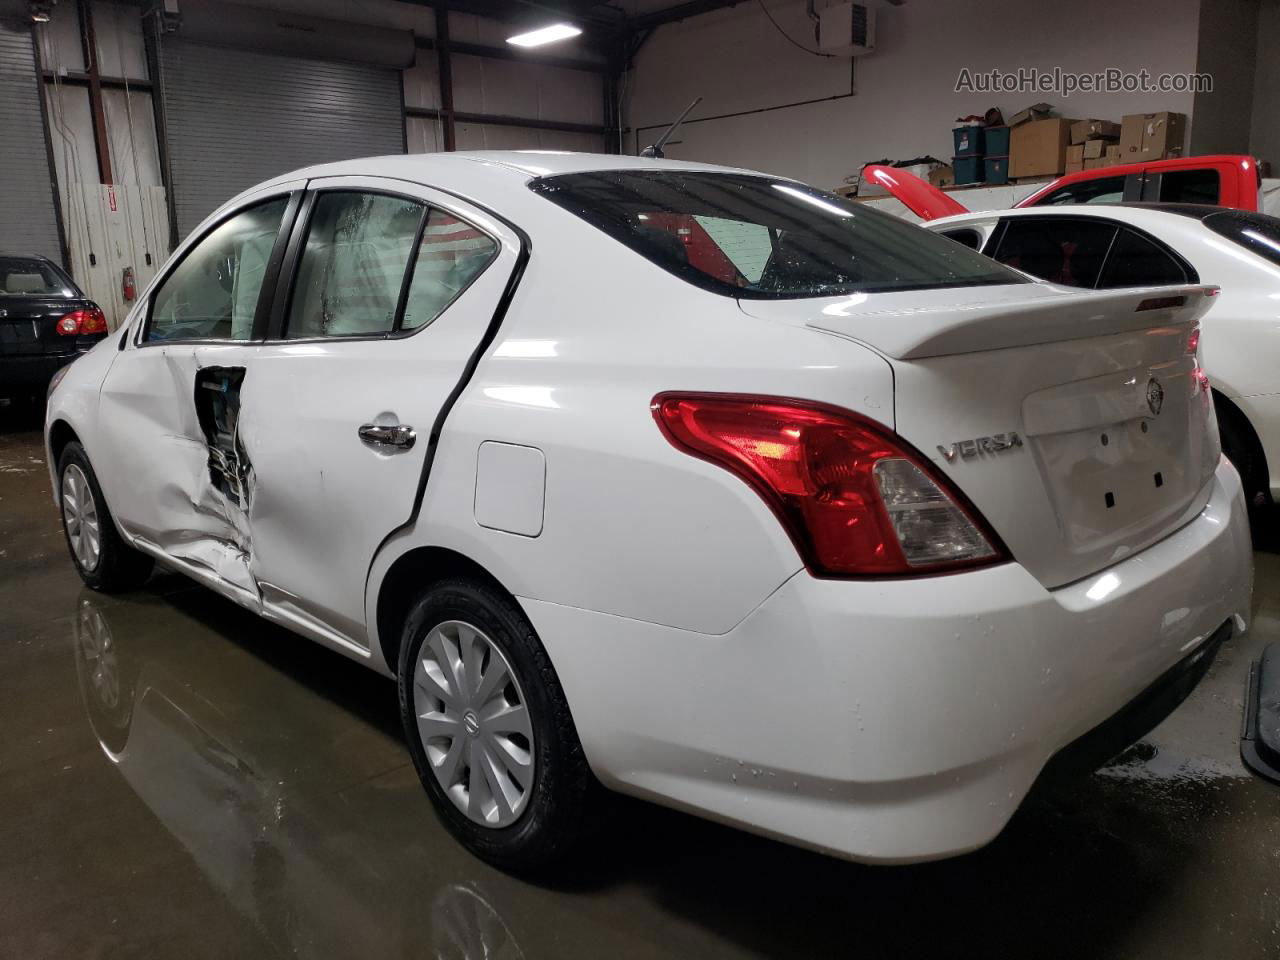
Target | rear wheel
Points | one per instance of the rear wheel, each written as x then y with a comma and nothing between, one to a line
489,728
102,558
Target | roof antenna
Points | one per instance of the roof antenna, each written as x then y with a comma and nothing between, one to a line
654,151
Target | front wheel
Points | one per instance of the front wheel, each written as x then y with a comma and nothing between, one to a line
102,558
489,728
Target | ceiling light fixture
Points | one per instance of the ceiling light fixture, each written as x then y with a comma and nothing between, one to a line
544,35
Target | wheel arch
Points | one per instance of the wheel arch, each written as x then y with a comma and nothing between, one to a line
1229,410
61,433
404,582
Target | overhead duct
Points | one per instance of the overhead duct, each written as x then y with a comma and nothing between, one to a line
293,34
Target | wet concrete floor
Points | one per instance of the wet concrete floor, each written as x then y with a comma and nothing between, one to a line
181,779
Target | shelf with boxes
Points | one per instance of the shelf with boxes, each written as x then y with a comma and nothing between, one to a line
1051,146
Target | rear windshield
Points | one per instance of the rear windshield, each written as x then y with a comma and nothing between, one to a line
1257,231
26,277
753,237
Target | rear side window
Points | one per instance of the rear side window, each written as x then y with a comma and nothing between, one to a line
1190,186
753,237
1100,190
28,277
968,236
353,265
1255,231
1138,261
1062,250
213,292
451,255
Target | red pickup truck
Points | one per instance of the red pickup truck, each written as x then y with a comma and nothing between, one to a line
1222,180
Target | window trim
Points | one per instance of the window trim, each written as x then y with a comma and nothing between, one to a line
269,277
277,323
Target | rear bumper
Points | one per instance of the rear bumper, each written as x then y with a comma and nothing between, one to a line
895,721
23,374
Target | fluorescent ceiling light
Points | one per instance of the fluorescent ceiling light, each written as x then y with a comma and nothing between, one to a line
536,38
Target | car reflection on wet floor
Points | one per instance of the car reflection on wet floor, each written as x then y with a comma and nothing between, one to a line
180,778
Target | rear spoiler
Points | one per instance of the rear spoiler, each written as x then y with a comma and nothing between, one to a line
936,331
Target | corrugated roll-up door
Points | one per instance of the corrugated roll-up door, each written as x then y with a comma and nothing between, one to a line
236,117
28,217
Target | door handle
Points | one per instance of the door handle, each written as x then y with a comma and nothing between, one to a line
399,435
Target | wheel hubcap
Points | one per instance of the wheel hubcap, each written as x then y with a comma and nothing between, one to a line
80,515
474,724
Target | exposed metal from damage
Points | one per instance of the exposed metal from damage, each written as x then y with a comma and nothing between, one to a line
217,398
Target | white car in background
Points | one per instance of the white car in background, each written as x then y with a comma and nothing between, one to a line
703,485
1111,245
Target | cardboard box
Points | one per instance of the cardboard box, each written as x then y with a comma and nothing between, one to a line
1083,130
1039,147
1075,158
1113,153
1151,136
943,175
1093,149
1037,111
1096,163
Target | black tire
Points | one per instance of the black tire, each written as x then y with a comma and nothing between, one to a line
1244,451
119,567
553,819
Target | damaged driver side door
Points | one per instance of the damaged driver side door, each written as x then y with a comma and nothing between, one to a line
172,455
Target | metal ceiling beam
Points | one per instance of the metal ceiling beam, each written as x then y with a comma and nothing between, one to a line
515,53
681,11
502,120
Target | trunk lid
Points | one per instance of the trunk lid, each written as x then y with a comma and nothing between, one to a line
1076,422
28,325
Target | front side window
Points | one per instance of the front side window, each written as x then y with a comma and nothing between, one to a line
451,255
1099,190
1062,250
756,238
213,292
353,265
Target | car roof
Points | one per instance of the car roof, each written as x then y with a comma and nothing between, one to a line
474,167
1132,212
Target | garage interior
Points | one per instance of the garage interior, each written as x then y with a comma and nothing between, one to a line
266,805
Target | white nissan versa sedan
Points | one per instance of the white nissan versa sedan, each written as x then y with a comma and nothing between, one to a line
701,484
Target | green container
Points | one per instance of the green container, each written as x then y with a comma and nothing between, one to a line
968,169
997,141
996,169
969,141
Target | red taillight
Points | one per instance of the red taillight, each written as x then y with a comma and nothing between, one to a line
82,322
854,497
